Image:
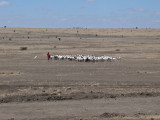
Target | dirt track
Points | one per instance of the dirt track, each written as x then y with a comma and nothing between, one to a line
34,81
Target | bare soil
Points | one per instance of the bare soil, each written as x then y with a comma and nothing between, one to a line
41,89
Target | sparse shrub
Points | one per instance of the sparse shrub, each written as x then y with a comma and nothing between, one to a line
55,47
118,50
12,119
112,115
96,35
136,27
11,73
10,39
56,36
28,37
14,30
59,39
23,48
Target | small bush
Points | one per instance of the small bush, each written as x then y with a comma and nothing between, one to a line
59,39
10,39
23,48
118,50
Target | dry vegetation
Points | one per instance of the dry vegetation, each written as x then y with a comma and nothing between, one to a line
25,80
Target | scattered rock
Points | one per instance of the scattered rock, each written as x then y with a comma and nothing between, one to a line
140,114
69,88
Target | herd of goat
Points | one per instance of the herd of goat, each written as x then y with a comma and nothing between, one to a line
83,58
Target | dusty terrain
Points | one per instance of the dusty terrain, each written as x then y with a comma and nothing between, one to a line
38,89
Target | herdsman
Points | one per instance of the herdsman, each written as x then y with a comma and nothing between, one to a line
48,56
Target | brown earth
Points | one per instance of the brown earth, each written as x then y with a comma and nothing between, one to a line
41,84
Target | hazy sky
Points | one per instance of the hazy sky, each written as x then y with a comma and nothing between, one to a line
80,13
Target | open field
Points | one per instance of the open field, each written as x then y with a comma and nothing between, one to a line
41,89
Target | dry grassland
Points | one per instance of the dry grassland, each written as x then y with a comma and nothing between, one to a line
38,85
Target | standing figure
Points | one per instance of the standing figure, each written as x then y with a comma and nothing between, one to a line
48,56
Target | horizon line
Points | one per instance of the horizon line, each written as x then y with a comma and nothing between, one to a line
80,28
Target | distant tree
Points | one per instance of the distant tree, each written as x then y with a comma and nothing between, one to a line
5,26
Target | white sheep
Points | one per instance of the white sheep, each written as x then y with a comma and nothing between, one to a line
83,58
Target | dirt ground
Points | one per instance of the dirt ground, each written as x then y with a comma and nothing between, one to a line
38,89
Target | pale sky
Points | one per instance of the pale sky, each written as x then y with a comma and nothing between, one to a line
80,13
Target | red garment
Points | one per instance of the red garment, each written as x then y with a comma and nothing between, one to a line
48,56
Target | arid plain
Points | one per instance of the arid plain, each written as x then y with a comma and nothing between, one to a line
38,89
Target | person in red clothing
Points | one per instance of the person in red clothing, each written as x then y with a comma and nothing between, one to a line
48,56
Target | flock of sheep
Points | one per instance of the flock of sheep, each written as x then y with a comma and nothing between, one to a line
83,58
